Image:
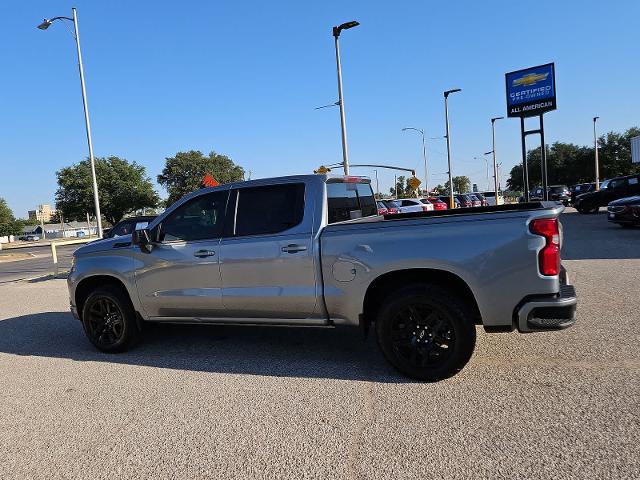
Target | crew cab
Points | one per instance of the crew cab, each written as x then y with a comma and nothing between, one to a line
317,254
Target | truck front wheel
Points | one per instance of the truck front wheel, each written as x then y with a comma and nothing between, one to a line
425,332
109,319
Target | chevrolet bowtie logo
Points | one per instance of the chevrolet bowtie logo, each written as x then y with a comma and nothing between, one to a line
530,79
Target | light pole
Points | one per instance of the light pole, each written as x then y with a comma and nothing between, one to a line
46,23
377,185
448,136
493,147
595,147
336,36
424,155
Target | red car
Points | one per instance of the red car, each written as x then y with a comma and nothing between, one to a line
389,207
483,200
465,200
437,203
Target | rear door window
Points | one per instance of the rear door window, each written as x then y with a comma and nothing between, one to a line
347,201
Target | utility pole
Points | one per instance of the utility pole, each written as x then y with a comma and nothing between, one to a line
595,147
46,23
446,120
377,184
496,183
343,122
424,155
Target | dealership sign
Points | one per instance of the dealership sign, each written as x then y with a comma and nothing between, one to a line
531,91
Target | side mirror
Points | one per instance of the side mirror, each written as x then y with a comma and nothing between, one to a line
142,238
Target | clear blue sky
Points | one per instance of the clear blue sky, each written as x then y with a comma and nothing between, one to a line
243,78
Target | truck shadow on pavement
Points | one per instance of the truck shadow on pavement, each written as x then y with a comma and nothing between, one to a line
341,354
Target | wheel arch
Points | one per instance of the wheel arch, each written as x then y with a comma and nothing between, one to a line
386,283
89,284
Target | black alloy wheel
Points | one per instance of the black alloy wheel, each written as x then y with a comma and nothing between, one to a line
109,319
422,335
426,331
105,323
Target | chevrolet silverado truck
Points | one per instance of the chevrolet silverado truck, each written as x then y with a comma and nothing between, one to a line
311,250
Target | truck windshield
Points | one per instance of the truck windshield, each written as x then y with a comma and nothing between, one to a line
347,201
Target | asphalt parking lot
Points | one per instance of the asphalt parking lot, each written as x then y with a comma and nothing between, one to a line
222,402
38,261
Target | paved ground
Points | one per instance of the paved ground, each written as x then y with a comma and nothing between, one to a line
40,262
221,402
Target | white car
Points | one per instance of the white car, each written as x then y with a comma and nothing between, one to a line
491,198
409,205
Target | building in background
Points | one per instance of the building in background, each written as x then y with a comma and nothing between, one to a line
61,230
42,213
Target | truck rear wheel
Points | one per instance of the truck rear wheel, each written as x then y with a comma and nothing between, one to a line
109,320
425,332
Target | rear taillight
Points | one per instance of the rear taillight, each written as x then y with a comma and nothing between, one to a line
549,256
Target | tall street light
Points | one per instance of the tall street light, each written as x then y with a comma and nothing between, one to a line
46,23
493,147
424,155
336,36
448,136
595,147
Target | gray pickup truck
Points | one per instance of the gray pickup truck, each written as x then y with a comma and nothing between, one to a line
311,250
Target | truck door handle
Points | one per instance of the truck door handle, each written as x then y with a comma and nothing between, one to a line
294,248
204,253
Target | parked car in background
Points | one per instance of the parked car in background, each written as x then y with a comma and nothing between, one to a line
32,238
557,193
613,189
475,201
126,226
409,205
437,203
456,201
490,197
625,211
578,189
393,208
483,200
465,200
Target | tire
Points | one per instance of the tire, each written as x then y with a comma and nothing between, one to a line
109,320
588,208
425,332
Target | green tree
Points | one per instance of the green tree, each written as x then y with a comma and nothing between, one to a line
123,188
441,189
568,164
8,224
461,184
184,172
401,189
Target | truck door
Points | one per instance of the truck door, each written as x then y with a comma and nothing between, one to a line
180,278
267,257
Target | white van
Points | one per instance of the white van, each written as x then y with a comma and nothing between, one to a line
491,197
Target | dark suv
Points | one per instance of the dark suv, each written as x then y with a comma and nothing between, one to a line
557,193
610,190
127,226
580,188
